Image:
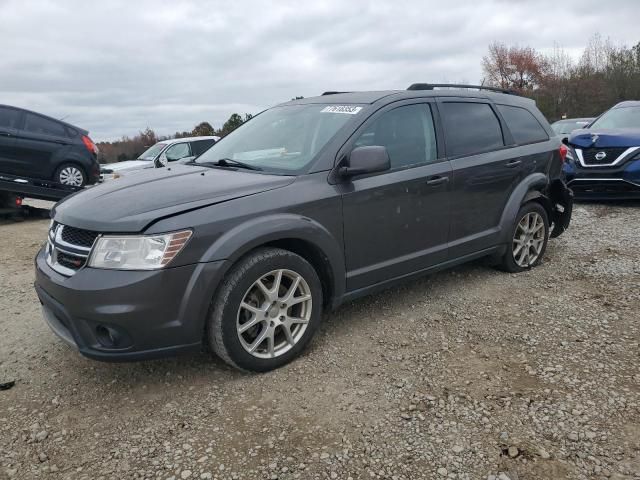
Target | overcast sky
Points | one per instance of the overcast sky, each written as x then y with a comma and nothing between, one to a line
115,67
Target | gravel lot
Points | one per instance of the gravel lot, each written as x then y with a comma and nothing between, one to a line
466,374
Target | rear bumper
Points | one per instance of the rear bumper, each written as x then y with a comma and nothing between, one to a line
607,183
115,315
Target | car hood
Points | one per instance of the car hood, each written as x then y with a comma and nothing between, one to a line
127,165
130,204
601,138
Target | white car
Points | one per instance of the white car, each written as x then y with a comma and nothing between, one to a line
162,153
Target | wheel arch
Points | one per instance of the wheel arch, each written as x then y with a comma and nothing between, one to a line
301,235
529,189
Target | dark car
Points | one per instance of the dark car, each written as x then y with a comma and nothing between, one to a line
36,146
309,204
605,161
567,125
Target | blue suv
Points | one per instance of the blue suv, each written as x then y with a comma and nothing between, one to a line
605,162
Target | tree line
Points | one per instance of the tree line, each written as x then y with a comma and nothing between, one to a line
129,148
604,75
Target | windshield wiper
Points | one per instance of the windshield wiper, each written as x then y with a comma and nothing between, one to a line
228,162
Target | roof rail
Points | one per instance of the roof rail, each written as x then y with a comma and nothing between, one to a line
432,86
330,92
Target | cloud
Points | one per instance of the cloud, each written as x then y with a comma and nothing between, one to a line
116,67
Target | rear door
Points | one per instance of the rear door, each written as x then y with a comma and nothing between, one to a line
397,222
198,147
485,172
40,144
10,119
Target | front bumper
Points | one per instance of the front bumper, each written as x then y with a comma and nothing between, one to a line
116,315
620,182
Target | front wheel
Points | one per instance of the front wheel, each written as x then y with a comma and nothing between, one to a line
71,175
528,239
266,311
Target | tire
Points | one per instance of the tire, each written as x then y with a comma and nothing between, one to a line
514,259
248,307
71,174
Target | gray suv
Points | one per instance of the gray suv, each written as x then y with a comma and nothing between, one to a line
308,205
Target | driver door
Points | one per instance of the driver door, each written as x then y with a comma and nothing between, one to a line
397,222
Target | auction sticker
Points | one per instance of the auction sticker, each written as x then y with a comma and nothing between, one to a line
348,109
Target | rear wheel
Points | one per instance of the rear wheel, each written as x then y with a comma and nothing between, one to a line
266,312
71,175
528,239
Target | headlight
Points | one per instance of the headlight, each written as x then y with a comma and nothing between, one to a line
140,252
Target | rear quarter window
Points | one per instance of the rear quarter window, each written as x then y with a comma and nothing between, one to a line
44,126
524,127
470,128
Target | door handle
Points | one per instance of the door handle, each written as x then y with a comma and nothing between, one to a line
513,163
437,180
6,134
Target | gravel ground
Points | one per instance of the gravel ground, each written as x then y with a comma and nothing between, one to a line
466,374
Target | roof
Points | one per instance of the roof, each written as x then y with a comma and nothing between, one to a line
81,130
628,103
574,120
374,96
171,141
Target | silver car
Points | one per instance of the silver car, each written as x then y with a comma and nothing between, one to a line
179,150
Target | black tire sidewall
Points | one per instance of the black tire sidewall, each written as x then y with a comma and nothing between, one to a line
239,281
509,262
74,165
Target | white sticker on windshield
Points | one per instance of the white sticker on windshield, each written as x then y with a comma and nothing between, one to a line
348,109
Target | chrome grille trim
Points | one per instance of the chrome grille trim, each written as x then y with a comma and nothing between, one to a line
622,157
56,245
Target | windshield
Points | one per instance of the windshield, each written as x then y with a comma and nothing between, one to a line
152,152
564,127
282,139
622,117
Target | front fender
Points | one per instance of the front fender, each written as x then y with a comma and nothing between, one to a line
253,233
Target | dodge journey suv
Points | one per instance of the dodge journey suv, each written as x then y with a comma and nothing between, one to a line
309,204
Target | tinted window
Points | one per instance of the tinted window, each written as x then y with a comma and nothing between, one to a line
408,134
200,146
523,125
178,151
9,117
44,126
470,128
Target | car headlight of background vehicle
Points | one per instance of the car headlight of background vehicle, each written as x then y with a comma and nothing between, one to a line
137,252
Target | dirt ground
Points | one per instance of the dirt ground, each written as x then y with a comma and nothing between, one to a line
467,374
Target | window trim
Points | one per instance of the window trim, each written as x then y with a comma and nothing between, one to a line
507,138
427,102
516,144
187,143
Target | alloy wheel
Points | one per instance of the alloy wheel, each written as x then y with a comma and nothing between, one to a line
71,176
274,314
528,239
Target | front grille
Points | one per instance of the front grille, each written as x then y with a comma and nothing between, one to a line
69,248
72,262
76,236
589,155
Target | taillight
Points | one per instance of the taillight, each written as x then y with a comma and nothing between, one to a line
563,152
90,145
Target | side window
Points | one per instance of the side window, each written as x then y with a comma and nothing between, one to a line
407,132
178,151
9,117
523,125
470,128
200,146
44,126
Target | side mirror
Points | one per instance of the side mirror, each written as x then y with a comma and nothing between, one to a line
362,160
